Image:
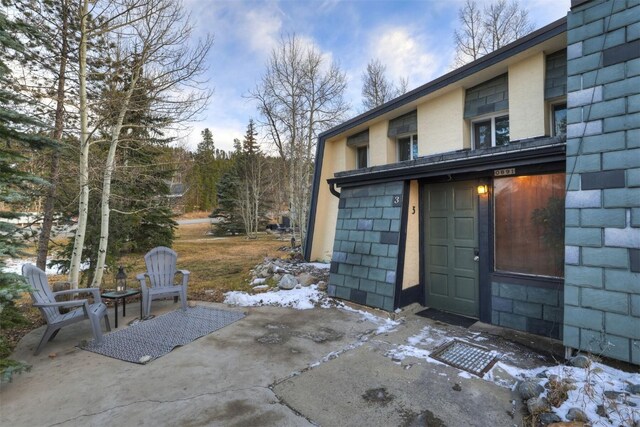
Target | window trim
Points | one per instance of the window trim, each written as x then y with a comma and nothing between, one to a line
552,120
413,139
486,117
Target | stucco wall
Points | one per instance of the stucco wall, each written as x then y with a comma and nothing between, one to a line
526,98
381,148
337,157
440,124
411,275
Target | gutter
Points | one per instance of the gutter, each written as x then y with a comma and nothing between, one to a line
545,33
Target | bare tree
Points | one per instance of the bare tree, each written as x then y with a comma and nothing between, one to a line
483,31
470,37
153,53
505,22
298,97
377,88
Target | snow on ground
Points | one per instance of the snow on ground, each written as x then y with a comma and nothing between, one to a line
303,298
14,265
318,265
589,387
385,324
590,384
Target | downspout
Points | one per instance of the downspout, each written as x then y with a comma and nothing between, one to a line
332,189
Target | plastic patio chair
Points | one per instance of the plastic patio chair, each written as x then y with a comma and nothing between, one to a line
161,271
45,300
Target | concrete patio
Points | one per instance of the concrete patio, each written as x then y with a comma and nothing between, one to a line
275,367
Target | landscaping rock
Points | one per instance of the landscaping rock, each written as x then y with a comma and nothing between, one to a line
567,424
258,281
548,418
322,286
633,388
287,282
577,414
613,395
306,279
529,389
538,405
580,361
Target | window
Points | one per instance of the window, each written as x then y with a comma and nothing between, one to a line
529,224
407,148
491,132
559,119
362,156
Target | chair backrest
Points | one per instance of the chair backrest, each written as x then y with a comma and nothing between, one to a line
161,266
40,290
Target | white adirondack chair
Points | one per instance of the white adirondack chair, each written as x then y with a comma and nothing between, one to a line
159,280
45,300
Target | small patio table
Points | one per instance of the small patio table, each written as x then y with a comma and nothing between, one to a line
115,296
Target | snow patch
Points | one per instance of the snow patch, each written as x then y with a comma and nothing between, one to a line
300,299
14,265
385,325
318,265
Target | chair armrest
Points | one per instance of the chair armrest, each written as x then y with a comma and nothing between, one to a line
94,291
142,278
74,303
185,276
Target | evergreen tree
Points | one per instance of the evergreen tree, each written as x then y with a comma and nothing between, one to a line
141,217
19,137
209,164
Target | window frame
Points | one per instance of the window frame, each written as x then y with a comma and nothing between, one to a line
494,245
552,112
413,140
492,118
358,148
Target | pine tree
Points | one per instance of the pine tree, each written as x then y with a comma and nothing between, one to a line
19,137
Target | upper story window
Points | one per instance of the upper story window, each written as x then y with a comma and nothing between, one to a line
407,147
491,131
486,106
559,119
404,130
360,143
362,156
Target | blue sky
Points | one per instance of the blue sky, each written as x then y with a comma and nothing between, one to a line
413,38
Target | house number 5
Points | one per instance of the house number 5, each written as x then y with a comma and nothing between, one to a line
413,210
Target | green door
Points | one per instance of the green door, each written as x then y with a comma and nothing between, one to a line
451,262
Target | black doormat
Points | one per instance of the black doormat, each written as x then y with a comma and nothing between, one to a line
448,318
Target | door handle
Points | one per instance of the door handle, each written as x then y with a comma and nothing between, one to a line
476,255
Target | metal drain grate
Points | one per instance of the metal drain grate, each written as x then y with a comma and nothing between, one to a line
465,356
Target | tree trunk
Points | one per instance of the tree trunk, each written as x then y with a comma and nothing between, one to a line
54,176
83,174
105,211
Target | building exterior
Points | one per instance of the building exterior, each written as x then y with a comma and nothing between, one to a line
506,190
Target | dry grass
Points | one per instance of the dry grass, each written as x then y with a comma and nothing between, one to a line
216,264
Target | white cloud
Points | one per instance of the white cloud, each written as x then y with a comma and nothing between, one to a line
405,55
262,28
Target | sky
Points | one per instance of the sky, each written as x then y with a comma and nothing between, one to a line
413,38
